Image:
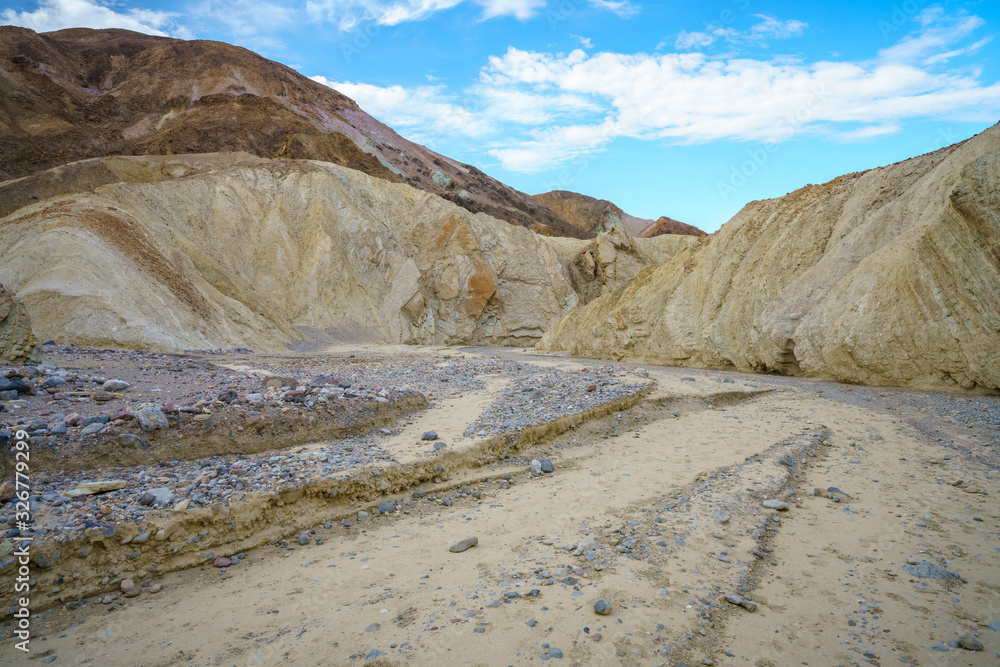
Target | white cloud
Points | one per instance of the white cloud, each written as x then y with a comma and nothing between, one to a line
768,28
934,35
772,27
689,40
346,14
246,18
519,9
60,14
533,110
425,110
869,132
552,146
585,42
622,8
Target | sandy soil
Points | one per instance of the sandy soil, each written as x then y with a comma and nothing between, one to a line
656,509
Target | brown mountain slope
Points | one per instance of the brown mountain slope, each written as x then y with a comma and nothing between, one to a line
80,93
667,225
890,276
600,215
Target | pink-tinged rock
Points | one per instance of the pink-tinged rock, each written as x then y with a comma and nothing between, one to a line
298,391
6,491
123,415
189,409
156,588
171,408
222,561
33,388
72,419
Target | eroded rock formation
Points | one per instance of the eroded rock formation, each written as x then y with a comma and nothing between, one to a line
268,254
890,276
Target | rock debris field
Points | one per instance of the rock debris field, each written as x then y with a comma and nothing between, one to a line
434,505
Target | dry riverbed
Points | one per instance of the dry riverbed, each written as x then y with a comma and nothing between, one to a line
716,518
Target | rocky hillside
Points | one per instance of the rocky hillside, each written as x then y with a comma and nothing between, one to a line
80,93
600,215
665,225
325,253
890,276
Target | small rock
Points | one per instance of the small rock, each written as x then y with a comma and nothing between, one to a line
132,441
156,588
928,570
304,538
438,446
115,385
602,607
133,592
386,507
536,466
971,643
591,387
362,515
91,488
775,504
222,561
555,653
429,435
162,495
733,599
547,465
721,516
91,429
462,545
787,461
151,418
147,499
126,584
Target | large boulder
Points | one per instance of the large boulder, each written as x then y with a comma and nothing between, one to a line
17,342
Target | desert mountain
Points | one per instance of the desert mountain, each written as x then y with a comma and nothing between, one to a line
138,252
80,93
889,276
665,225
600,215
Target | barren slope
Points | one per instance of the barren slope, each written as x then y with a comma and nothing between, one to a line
80,93
270,253
891,276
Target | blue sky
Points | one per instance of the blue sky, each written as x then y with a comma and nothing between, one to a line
685,109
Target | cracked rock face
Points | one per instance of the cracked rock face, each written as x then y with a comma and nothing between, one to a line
889,276
17,342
